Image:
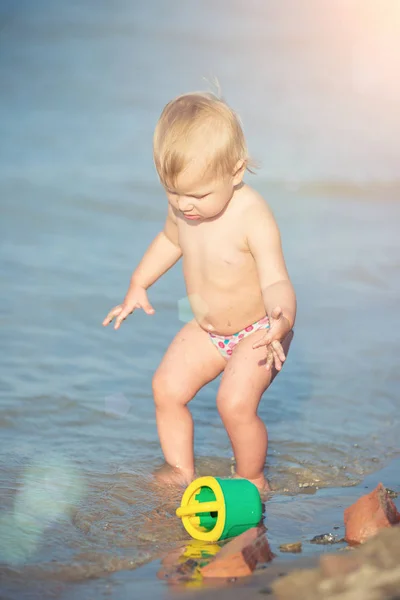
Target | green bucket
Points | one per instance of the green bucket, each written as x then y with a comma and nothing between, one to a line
214,509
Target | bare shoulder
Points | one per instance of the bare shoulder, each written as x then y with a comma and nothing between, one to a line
254,208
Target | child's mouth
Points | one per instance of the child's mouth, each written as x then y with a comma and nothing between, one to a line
193,217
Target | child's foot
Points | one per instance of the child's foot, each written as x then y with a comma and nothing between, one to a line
260,482
174,475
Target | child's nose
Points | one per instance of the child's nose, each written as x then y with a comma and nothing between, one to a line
184,204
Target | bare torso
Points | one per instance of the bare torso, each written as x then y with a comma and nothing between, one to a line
220,272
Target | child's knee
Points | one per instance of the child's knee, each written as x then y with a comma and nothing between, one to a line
234,411
167,391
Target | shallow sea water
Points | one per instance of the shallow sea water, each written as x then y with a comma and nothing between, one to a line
82,84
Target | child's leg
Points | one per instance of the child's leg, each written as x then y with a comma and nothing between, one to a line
190,362
244,381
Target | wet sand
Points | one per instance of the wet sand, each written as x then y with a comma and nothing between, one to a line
328,506
322,513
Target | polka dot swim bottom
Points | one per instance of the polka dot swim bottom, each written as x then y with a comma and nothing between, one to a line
227,343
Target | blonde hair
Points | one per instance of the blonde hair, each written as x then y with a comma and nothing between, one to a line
198,126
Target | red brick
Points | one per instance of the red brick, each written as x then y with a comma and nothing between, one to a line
369,514
240,556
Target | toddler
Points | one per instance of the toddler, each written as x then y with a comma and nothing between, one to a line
240,293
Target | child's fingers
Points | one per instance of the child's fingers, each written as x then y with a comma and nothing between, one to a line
148,309
265,341
107,320
113,313
277,346
121,317
277,362
270,359
279,355
118,322
273,358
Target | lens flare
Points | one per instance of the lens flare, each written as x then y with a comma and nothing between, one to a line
50,487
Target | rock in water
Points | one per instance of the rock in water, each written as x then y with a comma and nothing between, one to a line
369,514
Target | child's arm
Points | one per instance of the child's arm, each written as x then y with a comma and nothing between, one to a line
277,290
160,256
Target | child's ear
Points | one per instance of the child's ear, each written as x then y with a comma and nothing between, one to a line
238,172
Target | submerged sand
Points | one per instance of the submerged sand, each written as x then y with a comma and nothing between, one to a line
302,573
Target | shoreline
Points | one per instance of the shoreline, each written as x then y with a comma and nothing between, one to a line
288,519
327,505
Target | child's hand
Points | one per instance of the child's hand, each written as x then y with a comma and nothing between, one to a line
278,330
135,298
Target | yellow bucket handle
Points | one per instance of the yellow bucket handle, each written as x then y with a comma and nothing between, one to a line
201,507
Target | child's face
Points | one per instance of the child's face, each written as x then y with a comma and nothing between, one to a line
199,198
